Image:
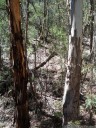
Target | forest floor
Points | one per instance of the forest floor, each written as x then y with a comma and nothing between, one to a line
49,84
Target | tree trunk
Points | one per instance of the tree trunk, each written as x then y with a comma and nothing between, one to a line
19,67
91,23
73,75
0,58
45,18
26,30
94,35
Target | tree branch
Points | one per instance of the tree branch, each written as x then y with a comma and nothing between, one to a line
43,63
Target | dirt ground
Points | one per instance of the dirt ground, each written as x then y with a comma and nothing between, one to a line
49,84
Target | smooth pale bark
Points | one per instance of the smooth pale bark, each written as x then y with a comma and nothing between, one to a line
73,75
93,57
94,34
19,67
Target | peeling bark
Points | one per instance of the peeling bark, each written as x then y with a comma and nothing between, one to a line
19,67
73,75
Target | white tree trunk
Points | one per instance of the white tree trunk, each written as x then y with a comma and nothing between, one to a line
73,75
94,42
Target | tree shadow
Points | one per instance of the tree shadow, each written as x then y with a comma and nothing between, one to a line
51,123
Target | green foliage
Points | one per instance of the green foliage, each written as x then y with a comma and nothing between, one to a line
61,40
86,17
58,114
86,9
90,102
56,18
59,33
5,80
2,3
4,29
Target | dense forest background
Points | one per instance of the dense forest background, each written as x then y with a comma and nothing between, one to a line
45,28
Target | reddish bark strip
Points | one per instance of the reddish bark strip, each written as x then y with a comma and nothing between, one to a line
19,67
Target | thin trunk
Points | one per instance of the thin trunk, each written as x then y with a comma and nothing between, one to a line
92,23
59,19
0,58
7,9
19,67
73,75
45,19
92,50
26,30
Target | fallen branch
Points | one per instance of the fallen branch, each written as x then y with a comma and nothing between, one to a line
43,63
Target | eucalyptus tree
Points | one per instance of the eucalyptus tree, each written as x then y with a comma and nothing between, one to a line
73,75
19,67
93,38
